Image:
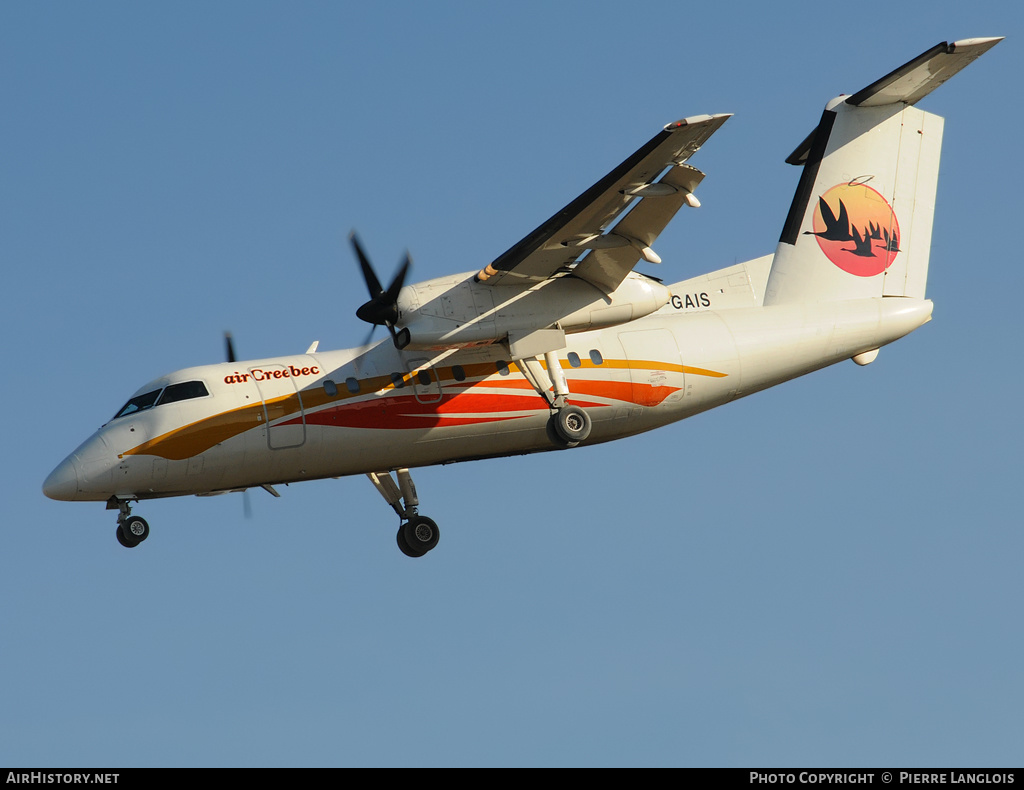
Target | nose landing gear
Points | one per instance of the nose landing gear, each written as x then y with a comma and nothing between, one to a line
417,534
131,530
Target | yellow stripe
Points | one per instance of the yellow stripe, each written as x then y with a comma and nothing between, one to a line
702,372
197,437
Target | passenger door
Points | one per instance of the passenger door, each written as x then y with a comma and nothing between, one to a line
282,406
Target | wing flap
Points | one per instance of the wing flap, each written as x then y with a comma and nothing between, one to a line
560,240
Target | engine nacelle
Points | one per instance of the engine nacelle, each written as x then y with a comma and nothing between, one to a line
457,311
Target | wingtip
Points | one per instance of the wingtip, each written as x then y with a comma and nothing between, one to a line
696,119
972,43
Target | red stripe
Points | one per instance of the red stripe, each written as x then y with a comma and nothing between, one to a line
405,411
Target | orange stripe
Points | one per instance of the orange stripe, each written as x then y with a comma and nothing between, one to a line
197,437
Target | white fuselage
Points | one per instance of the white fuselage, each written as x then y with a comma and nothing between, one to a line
358,411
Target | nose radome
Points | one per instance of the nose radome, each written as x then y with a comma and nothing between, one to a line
62,482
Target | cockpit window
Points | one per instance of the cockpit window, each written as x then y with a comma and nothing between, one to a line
139,403
183,391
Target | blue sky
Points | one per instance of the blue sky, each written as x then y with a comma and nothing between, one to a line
824,574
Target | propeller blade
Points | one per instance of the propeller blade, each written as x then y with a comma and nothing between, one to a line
230,347
372,283
399,281
382,308
369,336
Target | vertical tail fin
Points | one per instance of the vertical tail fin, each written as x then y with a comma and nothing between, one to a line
860,223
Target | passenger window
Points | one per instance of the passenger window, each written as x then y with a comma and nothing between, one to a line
353,385
398,380
503,367
458,372
186,390
330,388
423,376
574,359
595,357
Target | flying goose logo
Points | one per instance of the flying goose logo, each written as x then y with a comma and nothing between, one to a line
856,228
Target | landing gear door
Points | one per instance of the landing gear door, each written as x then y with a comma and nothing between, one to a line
282,406
655,367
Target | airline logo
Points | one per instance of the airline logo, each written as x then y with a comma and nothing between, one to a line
282,372
856,228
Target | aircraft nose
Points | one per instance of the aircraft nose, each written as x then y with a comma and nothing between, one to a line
62,482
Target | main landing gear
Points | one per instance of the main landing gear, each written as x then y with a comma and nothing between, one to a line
568,425
417,534
131,530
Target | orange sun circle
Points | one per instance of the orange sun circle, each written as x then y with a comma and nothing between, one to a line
857,229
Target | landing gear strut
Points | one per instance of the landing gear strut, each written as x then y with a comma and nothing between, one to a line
131,530
417,534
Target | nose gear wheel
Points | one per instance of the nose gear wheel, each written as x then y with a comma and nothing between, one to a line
417,534
131,530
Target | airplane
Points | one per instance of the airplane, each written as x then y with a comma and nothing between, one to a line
558,342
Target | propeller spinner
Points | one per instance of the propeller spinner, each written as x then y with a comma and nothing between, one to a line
382,309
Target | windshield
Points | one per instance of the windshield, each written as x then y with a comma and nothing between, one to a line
185,390
139,403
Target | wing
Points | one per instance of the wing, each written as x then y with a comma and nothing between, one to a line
580,226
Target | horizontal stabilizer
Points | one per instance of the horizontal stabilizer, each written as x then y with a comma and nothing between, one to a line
912,81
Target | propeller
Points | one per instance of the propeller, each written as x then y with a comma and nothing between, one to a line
382,309
229,352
